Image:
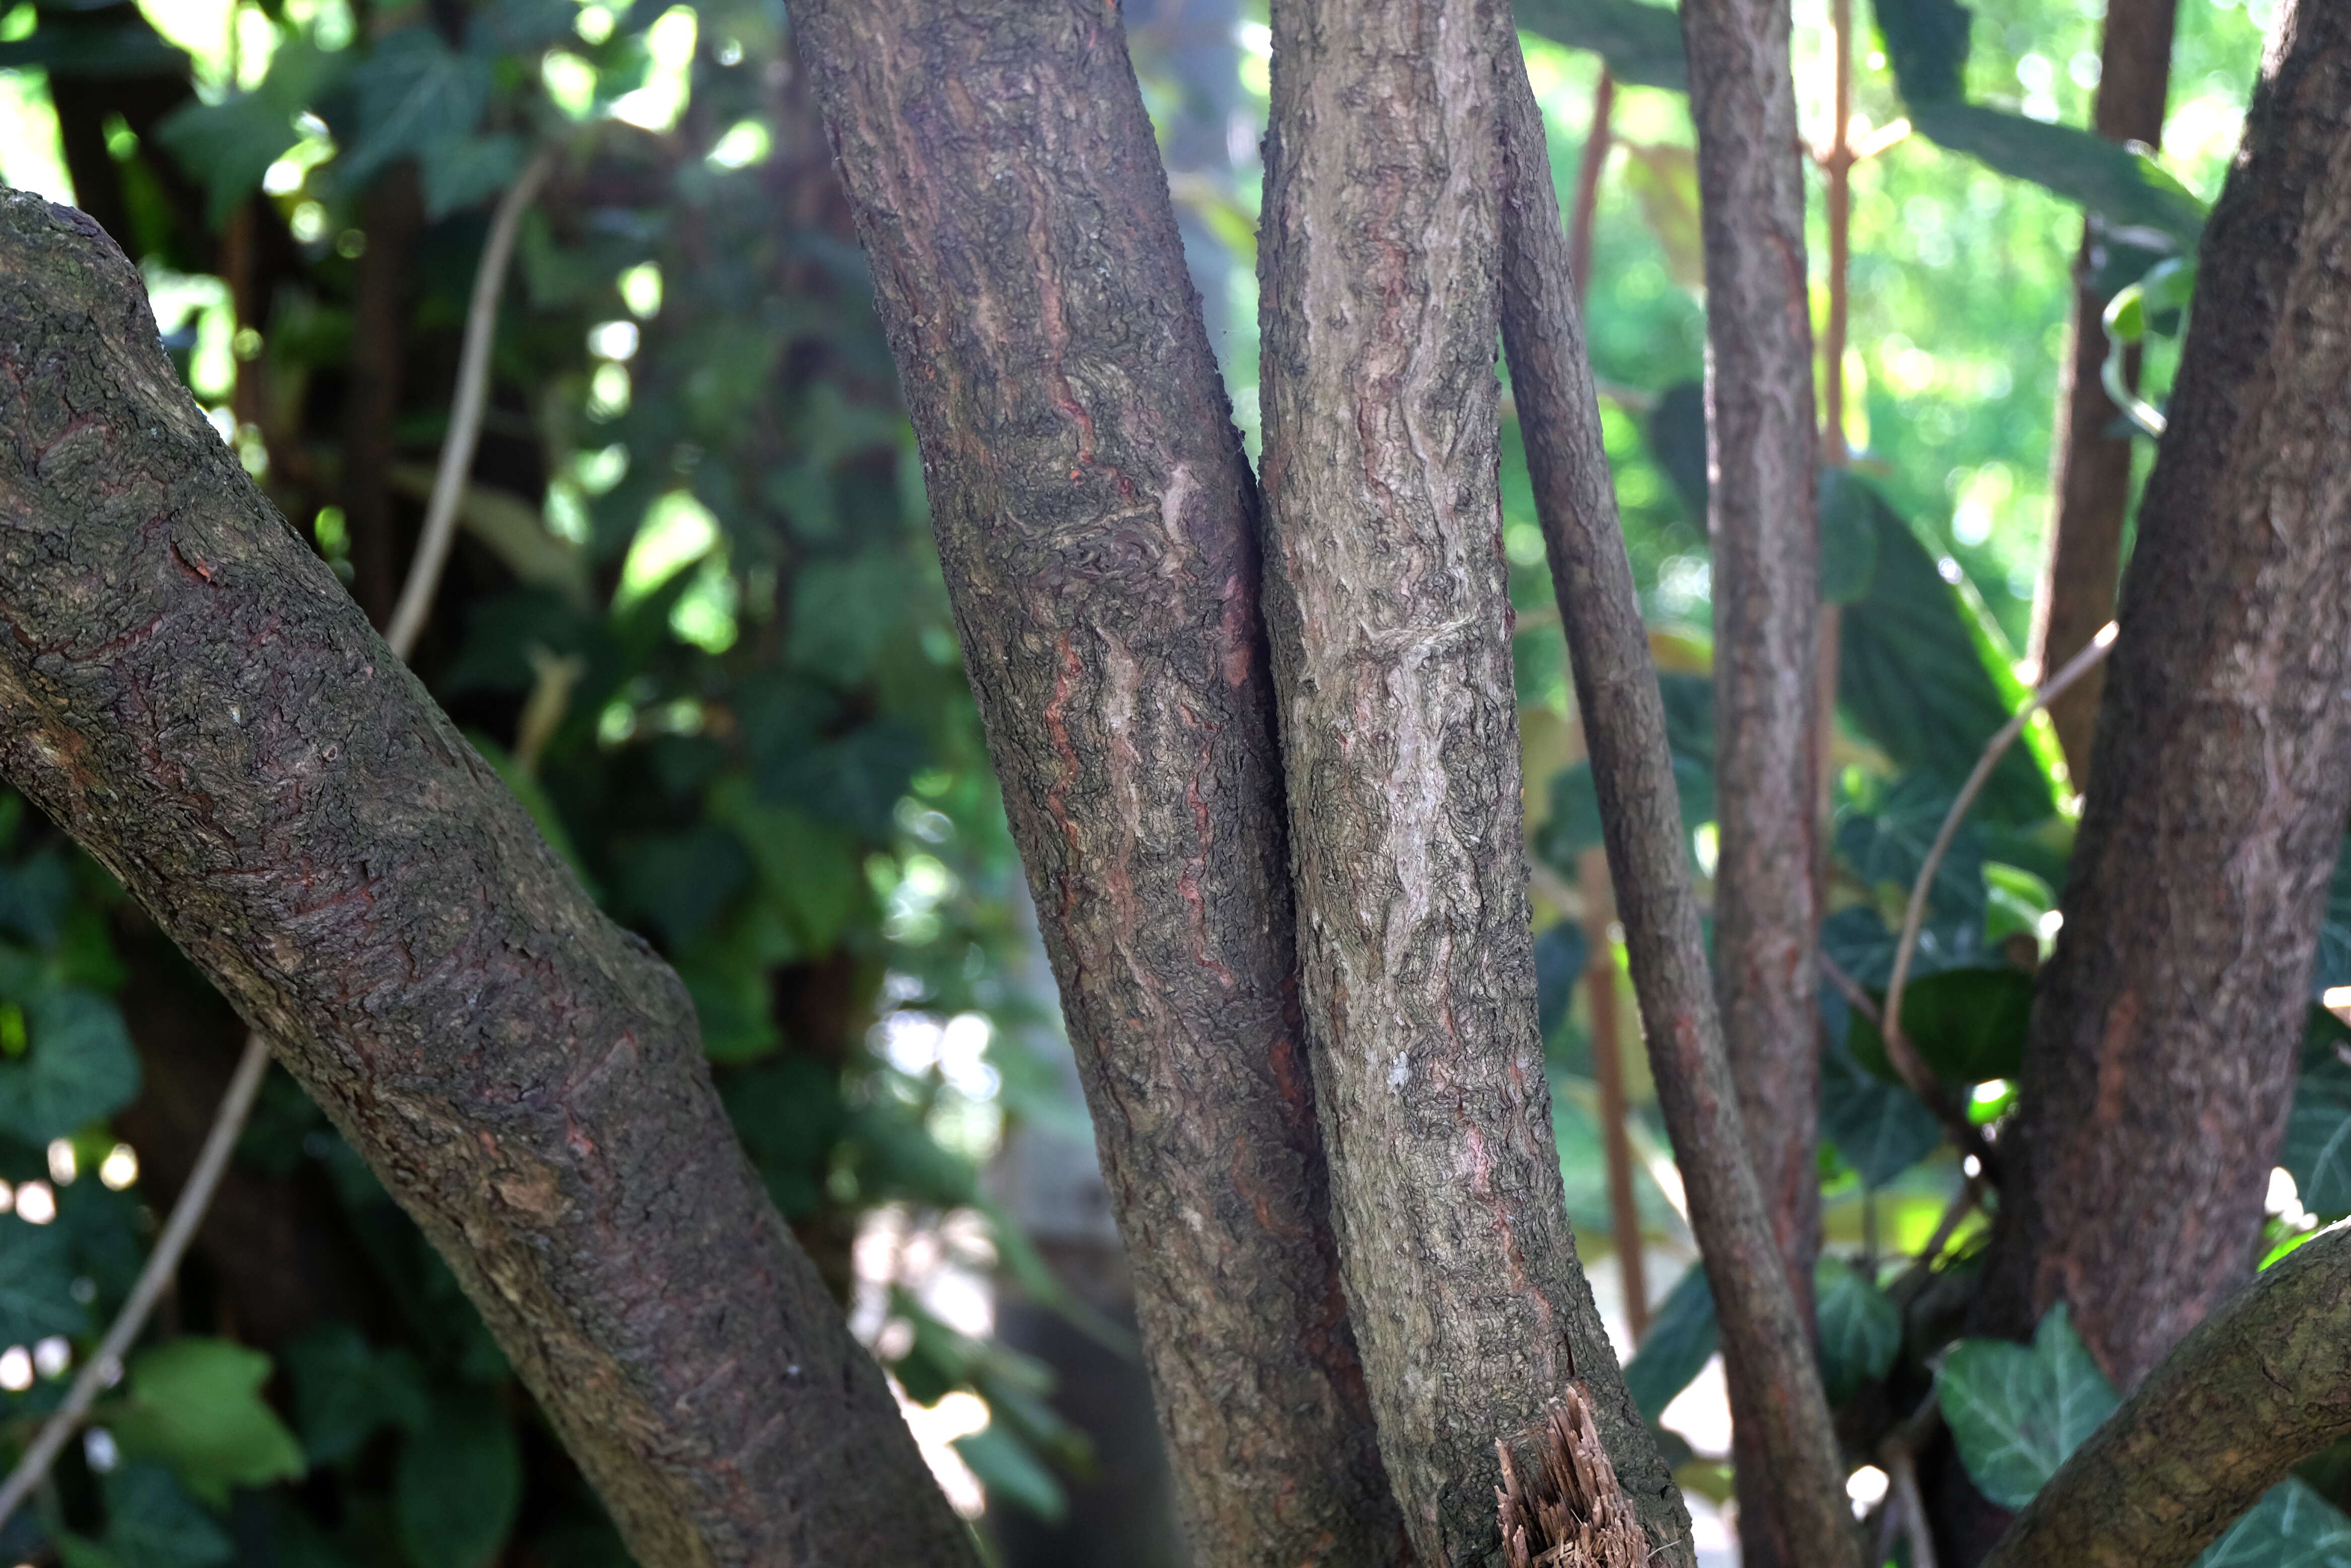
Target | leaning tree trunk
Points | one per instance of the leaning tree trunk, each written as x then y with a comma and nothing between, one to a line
186,689
1765,1332
1763,518
1387,600
2092,470
2160,1064
1097,522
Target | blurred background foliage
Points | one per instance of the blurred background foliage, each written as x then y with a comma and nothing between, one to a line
696,621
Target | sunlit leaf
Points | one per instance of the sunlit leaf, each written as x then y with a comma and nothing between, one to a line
196,1403
2017,1411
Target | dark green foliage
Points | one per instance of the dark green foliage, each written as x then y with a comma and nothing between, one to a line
458,1484
1641,43
2318,1133
1879,1128
1680,1342
1860,1328
2016,1411
1927,43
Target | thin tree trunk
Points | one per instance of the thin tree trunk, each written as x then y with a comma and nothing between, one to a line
1387,599
1766,1337
1762,455
1097,522
2090,470
2161,1059
186,689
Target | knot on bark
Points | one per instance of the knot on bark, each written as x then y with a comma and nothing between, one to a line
1565,1509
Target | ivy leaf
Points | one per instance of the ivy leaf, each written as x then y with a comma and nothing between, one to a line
1968,1025
413,94
1562,954
1641,43
2017,1412
37,1276
464,170
1880,1128
1860,1329
1011,1473
1682,1339
230,145
1888,845
149,1524
34,895
1912,674
197,1405
2290,1526
79,1067
2317,1149
458,1485
345,1392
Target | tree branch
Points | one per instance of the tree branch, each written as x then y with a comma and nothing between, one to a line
2259,1385
1097,524
1768,1341
187,690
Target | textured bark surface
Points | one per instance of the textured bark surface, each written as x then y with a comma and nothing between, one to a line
1765,1333
1763,520
2160,1063
2259,1385
186,689
1387,599
2090,470
1097,524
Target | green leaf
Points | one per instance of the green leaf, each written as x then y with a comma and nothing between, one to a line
2017,1412
1880,1128
2290,1526
230,145
80,1067
345,1391
1860,1329
1561,956
1011,1471
460,170
37,1276
197,1405
1641,42
152,1524
1848,539
1675,433
2128,191
458,1485
413,94
1912,678
34,895
1681,1340
845,612
1890,844
1927,43
2317,1149
1968,1024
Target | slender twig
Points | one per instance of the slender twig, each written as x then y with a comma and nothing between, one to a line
465,410
1608,1075
1910,1506
1911,1068
105,1365
2080,665
1596,143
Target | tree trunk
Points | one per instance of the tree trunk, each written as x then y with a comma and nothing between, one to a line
1763,516
2091,476
1766,1335
1097,522
186,689
2161,1059
1388,602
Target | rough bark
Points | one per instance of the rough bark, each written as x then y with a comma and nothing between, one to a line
2091,471
2259,1385
1387,599
1766,1335
1763,518
1097,524
185,688
2160,1063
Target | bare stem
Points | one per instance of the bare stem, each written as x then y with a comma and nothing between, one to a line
105,1365
466,410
